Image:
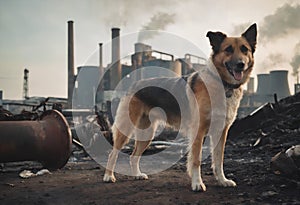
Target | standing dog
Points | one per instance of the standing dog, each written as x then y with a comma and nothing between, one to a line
232,62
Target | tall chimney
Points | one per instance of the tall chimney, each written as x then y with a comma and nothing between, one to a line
71,70
116,69
100,56
101,69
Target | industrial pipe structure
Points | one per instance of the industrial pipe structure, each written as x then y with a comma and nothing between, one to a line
47,140
71,68
116,71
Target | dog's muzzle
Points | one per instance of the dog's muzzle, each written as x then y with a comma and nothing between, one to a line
236,68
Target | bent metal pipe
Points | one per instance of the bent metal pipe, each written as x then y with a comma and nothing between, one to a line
47,140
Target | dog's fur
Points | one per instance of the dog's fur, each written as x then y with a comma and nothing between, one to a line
232,60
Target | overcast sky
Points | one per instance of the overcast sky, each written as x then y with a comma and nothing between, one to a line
33,33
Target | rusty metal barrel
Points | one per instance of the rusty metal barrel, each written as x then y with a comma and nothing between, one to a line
47,140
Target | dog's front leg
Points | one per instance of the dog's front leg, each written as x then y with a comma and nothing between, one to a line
217,160
194,163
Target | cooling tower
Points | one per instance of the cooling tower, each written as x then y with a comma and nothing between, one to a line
250,86
87,84
263,84
279,83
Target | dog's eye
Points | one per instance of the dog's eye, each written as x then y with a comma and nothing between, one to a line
244,49
229,49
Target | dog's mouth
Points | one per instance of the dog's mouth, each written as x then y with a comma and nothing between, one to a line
237,74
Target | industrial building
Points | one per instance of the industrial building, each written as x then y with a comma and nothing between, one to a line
145,57
87,90
86,94
271,87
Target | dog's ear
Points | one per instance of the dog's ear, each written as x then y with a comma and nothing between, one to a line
215,39
250,35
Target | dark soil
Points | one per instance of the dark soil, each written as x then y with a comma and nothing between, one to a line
81,183
249,165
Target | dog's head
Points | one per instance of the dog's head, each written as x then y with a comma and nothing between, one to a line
233,56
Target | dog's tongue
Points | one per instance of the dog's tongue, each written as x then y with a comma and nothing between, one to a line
237,75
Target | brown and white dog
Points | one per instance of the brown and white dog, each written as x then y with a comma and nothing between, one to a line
230,66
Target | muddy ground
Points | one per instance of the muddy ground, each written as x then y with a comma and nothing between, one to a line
247,161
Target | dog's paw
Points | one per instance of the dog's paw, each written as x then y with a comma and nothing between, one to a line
141,176
227,183
199,186
109,178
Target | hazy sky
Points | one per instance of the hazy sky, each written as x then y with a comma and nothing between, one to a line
33,33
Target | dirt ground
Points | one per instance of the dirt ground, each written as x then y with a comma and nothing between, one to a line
247,161
81,183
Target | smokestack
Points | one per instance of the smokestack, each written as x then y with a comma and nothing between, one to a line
1,97
279,83
116,69
71,70
25,84
101,69
100,57
263,84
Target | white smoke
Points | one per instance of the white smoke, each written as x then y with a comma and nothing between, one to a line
273,60
278,25
295,62
285,20
159,21
121,13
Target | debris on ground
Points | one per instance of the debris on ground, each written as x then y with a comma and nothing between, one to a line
249,150
25,174
287,163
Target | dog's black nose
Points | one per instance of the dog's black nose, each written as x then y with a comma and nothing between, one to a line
240,65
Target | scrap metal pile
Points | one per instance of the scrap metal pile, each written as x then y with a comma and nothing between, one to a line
273,128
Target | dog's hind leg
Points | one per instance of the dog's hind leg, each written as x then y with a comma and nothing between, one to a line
140,147
217,160
119,141
143,139
119,138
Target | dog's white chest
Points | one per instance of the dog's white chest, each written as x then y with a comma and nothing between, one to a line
232,105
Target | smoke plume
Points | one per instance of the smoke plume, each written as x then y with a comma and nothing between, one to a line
240,28
120,13
159,21
295,62
284,21
273,60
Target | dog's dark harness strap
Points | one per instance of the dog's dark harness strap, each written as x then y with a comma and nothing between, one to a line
229,88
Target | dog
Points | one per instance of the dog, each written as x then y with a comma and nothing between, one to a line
229,65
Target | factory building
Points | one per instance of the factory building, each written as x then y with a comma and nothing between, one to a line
87,90
144,59
270,87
